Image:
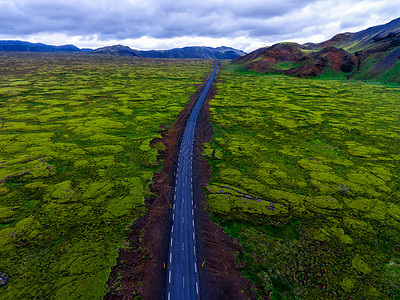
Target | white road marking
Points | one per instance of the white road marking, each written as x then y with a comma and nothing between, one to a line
195,267
186,158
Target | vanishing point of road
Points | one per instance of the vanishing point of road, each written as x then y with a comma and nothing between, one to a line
183,278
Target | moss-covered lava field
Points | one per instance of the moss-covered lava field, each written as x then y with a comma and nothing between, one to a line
306,177
305,173
76,165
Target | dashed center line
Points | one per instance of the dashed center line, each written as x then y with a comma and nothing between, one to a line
181,232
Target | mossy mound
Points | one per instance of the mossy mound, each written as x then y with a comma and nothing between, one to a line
76,164
316,155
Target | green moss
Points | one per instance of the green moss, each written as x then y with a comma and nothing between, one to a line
356,149
347,284
6,212
125,205
220,204
360,265
313,165
62,192
72,176
322,153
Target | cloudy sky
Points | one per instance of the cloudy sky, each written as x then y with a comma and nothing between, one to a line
166,24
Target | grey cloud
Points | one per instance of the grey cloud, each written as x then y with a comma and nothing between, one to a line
133,19
163,19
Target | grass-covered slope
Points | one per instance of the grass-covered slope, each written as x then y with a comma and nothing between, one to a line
76,165
306,176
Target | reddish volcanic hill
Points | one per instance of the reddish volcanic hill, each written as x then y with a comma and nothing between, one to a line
371,53
294,59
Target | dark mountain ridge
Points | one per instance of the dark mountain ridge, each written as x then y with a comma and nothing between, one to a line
186,52
120,50
373,53
18,46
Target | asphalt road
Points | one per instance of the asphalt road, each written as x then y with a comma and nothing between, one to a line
183,279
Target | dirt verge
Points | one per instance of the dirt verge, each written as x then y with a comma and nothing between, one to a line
219,278
140,270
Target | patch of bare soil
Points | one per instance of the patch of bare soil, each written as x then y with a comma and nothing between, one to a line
141,267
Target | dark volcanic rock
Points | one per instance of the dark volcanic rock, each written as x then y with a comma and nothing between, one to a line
336,41
275,54
3,278
259,66
330,57
284,52
309,70
389,36
310,63
338,59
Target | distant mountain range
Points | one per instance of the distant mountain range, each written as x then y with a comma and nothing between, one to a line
187,52
8,46
373,53
119,50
